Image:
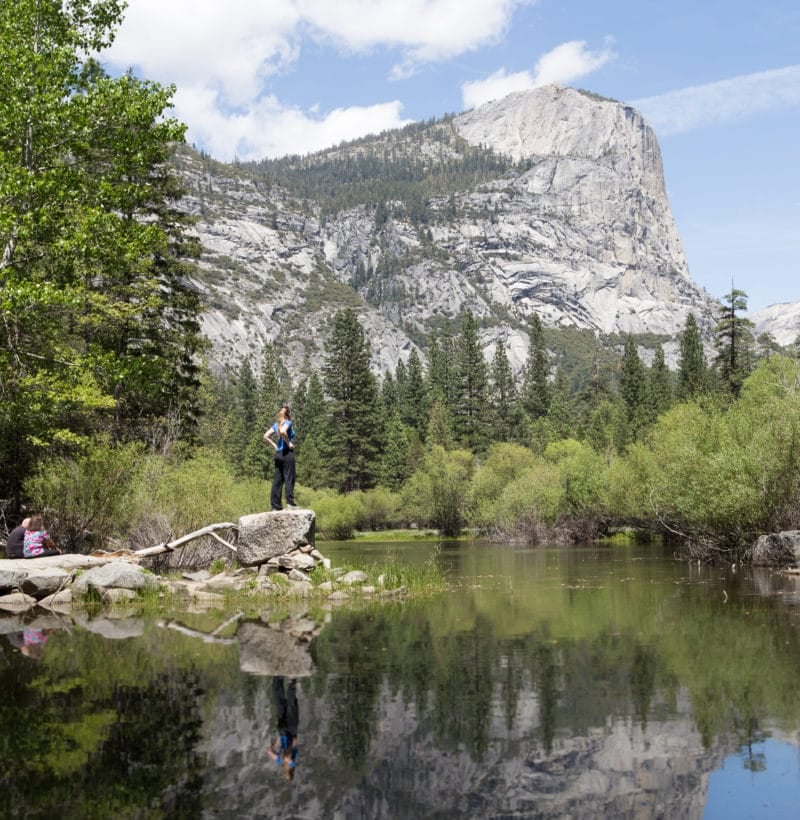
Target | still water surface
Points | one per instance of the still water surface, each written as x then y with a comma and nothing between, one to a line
586,682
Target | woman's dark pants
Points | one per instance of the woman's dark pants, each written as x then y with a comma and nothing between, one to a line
283,476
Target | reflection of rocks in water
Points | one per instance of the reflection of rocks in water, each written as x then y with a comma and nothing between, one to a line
615,770
278,648
779,586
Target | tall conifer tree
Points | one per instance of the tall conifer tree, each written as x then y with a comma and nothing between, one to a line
692,368
659,385
734,342
507,420
471,401
442,376
536,390
351,446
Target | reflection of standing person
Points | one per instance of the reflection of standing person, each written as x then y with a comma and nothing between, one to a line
281,437
37,542
284,749
16,540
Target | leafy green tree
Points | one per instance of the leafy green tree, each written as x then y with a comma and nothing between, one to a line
734,342
692,368
352,442
99,324
607,430
472,379
560,420
437,493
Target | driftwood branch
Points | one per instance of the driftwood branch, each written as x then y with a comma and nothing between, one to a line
169,546
206,637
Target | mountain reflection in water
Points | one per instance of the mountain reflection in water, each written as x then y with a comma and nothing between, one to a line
591,682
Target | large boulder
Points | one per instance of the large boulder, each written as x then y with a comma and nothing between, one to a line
777,549
270,650
11,579
266,535
115,575
44,581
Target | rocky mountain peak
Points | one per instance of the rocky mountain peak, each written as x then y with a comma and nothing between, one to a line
549,201
563,122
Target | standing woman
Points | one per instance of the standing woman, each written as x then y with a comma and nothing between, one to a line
281,437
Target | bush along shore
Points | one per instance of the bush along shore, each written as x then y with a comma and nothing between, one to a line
271,554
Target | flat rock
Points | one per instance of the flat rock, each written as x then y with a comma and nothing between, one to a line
112,628
17,602
118,596
355,576
118,574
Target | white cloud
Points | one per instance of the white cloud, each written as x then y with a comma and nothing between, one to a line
425,30
184,39
722,102
563,64
221,60
268,128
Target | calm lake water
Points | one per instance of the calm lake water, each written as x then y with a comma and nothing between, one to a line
584,682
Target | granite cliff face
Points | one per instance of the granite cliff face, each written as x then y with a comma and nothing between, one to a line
782,321
575,226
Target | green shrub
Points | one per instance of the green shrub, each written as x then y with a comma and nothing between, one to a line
503,464
436,494
337,516
89,498
582,475
380,509
178,497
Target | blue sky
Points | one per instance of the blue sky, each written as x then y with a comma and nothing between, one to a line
718,81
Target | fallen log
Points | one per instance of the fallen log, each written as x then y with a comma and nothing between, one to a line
170,546
206,637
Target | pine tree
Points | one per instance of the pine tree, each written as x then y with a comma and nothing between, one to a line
389,393
351,446
560,415
440,424
692,369
659,385
536,391
394,465
244,426
734,342
507,421
414,398
471,400
632,385
442,377
309,415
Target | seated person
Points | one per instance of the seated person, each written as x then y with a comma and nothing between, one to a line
37,542
16,539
